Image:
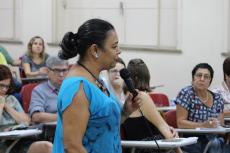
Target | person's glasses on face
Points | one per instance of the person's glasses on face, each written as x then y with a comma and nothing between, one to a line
205,76
4,86
114,71
59,71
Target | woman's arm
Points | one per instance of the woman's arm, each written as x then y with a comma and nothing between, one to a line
221,118
28,72
2,103
75,120
1,108
183,122
151,113
19,117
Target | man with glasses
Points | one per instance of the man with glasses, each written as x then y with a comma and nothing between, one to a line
43,104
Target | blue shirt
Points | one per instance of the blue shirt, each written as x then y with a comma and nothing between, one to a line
103,130
43,98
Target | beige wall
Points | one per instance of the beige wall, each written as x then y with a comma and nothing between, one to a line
203,39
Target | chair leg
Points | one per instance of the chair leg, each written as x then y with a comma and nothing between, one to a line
207,147
133,150
12,145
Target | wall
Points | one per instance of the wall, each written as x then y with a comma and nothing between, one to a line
203,40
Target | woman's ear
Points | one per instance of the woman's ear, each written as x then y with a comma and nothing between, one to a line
94,50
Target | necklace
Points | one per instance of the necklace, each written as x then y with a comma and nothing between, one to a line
99,82
206,99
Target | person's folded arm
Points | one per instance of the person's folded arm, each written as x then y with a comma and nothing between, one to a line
19,117
28,72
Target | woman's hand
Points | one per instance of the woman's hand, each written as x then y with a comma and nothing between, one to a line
132,104
211,123
43,70
2,102
174,132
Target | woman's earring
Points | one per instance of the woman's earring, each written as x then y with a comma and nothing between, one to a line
96,55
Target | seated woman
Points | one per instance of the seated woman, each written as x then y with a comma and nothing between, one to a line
198,107
146,122
116,83
11,112
33,62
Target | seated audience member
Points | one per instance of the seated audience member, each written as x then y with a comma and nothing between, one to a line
9,59
116,83
146,123
40,147
224,88
34,61
11,112
5,61
43,105
198,107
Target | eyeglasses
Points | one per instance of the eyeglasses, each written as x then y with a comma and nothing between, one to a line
205,76
58,71
114,71
3,86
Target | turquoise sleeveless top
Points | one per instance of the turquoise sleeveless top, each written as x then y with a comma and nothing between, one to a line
103,130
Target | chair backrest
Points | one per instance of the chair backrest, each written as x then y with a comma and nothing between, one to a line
170,118
26,92
122,132
22,73
160,99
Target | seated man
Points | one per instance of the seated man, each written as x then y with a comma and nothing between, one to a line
43,104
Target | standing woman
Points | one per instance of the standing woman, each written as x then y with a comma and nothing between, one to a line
88,114
33,62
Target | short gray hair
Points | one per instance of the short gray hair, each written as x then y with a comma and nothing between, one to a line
54,61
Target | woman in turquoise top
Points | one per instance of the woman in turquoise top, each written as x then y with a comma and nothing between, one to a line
88,114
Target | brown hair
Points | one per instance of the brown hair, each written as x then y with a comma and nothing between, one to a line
5,73
139,73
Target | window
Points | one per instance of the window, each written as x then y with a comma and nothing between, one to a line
140,24
10,17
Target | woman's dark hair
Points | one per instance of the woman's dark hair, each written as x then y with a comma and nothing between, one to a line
139,73
5,73
93,31
203,66
226,67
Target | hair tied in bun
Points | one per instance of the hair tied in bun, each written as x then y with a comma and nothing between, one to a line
68,46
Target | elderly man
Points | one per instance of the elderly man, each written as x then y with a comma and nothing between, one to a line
43,104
